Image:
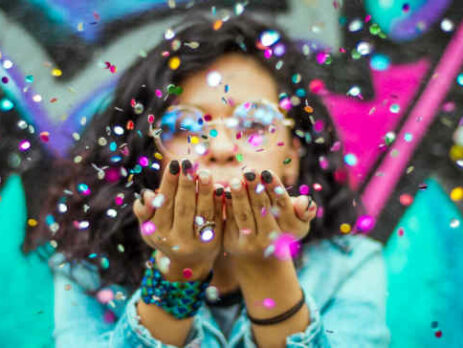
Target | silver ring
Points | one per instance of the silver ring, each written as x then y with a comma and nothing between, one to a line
210,234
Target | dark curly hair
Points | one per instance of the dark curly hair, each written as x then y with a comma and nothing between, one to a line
113,239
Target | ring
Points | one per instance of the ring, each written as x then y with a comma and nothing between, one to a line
206,231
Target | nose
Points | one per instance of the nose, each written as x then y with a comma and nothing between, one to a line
222,149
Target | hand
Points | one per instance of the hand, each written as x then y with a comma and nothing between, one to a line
167,220
251,224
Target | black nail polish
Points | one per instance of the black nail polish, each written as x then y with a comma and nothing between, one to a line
310,202
228,195
219,191
267,176
186,166
142,198
250,176
174,167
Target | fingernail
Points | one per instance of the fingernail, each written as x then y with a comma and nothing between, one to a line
235,183
250,176
186,166
267,176
204,176
219,191
310,202
174,167
142,198
228,195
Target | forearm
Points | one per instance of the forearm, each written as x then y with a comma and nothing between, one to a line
162,325
278,281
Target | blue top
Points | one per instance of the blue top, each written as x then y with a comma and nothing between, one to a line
343,279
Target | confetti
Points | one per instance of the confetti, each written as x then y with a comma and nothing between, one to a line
350,159
286,246
269,38
365,223
164,264
158,201
447,25
454,223
105,296
456,194
148,228
460,79
345,228
214,79
6,104
187,273
174,63
111,213
406,199
304,189
400,232
212,293
112,68
268,303
56,72
260,188
389,138
217,25
24,145
175,90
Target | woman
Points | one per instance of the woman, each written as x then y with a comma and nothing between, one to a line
215,129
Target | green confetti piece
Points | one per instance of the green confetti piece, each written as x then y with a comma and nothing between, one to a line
287,161
375,29
239,157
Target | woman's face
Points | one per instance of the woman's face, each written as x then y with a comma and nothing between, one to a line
247,82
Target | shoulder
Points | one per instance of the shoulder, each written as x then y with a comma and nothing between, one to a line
82,273
344,248
329,263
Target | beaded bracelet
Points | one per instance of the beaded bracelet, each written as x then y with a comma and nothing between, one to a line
180,299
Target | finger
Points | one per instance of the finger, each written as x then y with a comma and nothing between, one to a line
145,209
185,201
205,205
260,203
279,197
305,207
231,229
163,203
242,210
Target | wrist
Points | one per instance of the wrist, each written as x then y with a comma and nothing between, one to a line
262,269
178,272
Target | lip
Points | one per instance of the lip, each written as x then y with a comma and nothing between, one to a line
224,183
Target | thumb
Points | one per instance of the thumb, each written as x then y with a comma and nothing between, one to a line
300,205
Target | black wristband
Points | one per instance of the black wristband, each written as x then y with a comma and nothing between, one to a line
281,317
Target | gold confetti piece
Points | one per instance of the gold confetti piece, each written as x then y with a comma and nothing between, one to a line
456,194
56,72
217,24
174,63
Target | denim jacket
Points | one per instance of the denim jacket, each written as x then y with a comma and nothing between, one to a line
343,279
